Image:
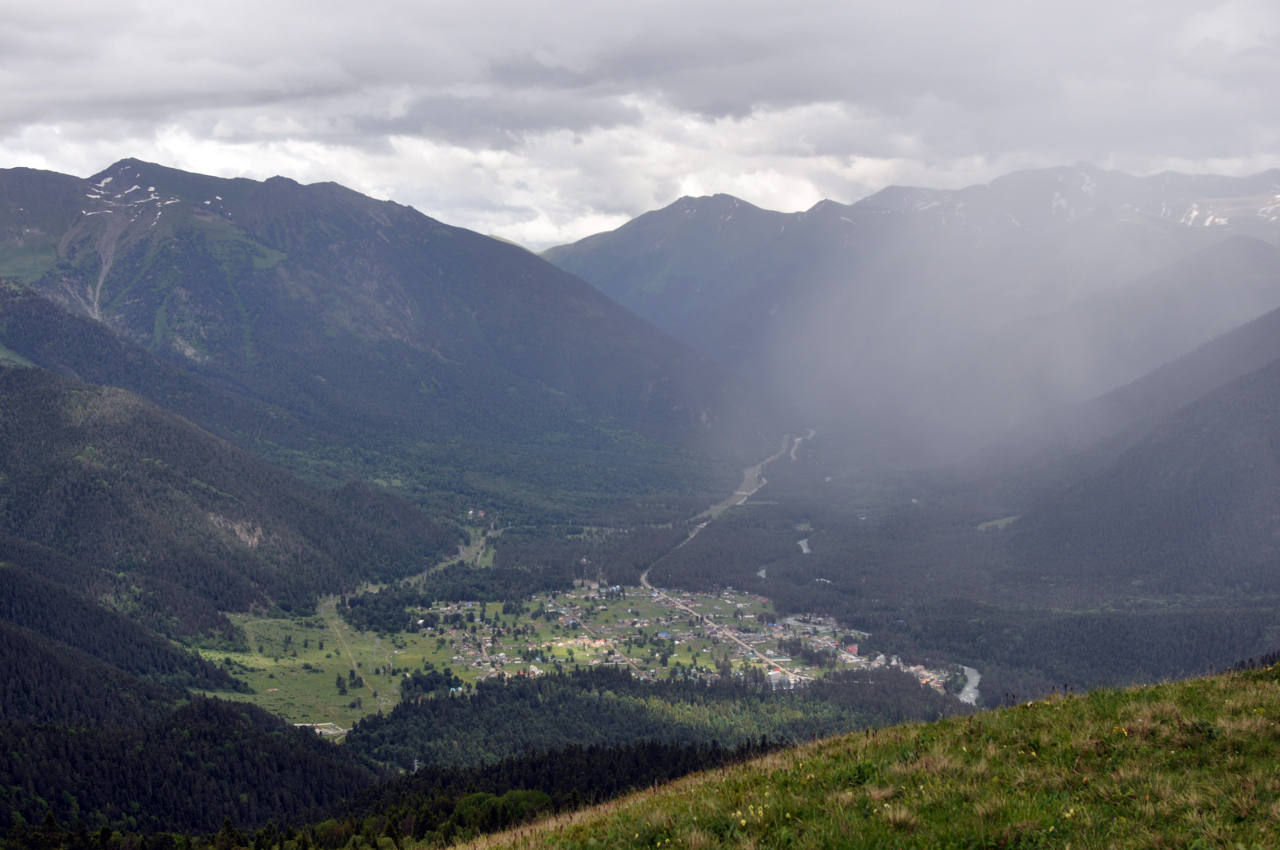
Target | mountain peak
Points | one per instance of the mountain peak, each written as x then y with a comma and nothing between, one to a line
718,202
824,206
234,273
127,167
130,180
904,198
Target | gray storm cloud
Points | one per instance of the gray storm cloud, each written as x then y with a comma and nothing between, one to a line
557,119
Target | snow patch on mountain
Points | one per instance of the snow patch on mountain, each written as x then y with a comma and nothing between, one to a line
1088,185
1271,209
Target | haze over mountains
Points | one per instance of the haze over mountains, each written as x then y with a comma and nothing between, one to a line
930,322
355,339
1099,344
236,397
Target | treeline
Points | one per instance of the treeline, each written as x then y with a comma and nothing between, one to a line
432,807
187,771
607,707
613,555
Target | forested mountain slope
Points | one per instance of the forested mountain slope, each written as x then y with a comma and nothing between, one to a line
192,524
1155,396
1189,509
188,769
360,336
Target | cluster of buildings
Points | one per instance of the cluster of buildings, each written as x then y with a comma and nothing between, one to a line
656,634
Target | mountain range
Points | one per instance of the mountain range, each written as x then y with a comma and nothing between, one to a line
927,323
456,362
1042,429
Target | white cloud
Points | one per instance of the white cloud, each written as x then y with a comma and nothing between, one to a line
560,119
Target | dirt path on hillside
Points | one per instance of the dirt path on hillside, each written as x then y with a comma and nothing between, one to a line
329,611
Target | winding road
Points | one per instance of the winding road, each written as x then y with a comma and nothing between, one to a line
752,480
720,631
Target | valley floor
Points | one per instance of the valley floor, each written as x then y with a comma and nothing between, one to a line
648,630
293,665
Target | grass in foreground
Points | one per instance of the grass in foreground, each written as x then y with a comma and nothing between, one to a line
1188,764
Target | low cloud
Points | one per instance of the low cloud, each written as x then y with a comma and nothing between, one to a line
541,123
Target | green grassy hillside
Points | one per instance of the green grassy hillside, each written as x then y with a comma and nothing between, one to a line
1187,764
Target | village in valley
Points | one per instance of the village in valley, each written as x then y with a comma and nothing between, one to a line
319,671
660,634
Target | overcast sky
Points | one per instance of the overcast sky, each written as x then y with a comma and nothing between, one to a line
546,121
